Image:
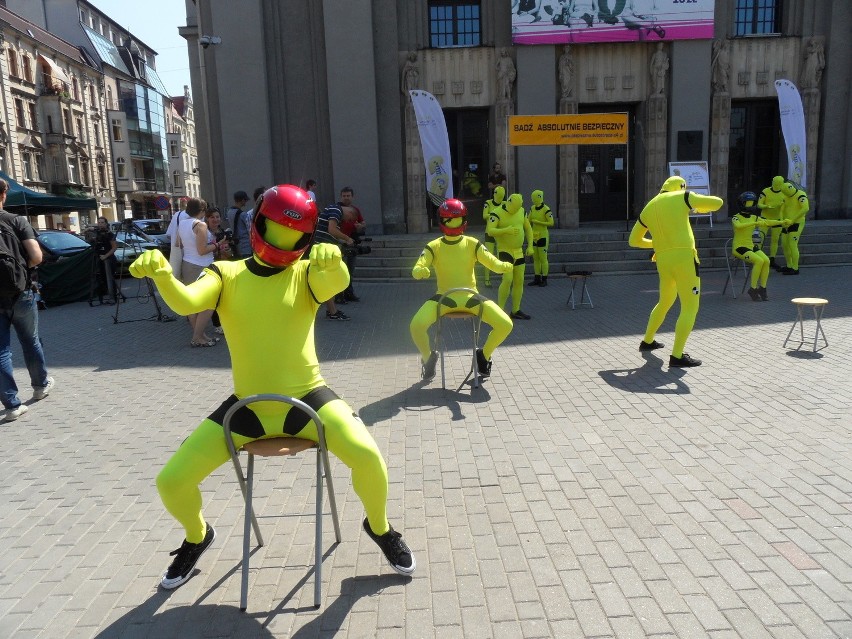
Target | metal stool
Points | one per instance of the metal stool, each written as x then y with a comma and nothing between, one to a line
579,276
818,304
757,237
279,446
440,344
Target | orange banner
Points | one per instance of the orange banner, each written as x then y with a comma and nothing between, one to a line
588,128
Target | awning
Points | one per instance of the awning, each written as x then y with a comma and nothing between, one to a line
21,200
55,70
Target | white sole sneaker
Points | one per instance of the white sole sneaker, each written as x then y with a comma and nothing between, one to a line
40,392
13,413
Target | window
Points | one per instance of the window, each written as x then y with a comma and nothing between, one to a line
28,70
66,121
13,63
93,98
84,172
27,158
96,127
101,175
33,116
73,170
173,148
121,168
75,88
79,128
757,16
454,23
19,113
116,130
176,179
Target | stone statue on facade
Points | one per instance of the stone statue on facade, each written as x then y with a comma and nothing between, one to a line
566,72
813,65
506,75
410,74
659,69
721,66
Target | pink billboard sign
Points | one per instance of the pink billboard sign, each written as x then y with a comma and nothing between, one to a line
582,21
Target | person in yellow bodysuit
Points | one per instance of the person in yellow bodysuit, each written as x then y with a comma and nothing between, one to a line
453,257
795,209
541,219
744,248
490,243
510,227
666,218
769,202
278,295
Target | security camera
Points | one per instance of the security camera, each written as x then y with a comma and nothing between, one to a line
205,40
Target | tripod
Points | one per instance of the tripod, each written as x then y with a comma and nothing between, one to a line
102,281
133,244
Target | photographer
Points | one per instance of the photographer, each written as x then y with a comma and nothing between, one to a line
353,226
105,248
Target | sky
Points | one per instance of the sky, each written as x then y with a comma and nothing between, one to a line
156,22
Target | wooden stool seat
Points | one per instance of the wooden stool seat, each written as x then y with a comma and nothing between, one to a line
816,303
585,297
278,446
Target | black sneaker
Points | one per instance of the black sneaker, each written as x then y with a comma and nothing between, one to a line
339,299
754,294
185,559
789,271
684,361
351,297
396,551
645,346
427,371
763,294
339,316
484,365
519,314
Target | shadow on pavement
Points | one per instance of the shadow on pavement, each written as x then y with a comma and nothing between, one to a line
419,398
648,378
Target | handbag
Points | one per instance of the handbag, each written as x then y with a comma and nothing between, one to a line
176,254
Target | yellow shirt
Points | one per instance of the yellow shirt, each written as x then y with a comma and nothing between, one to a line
541,219
500,218
796,207
666,217
453,259
769,202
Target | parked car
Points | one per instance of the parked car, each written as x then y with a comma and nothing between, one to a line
56,245
153,230
138,240
126,253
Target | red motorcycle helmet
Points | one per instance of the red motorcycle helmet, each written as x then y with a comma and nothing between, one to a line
449,210
288,206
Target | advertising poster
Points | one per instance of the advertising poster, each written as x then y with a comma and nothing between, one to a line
436,145
695,173
793,127
580,21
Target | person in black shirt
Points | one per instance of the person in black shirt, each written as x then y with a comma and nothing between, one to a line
105,248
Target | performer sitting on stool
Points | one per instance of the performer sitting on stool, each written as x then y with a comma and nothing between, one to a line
453,257
744,248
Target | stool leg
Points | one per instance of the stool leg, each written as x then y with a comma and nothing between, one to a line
247,533
318,535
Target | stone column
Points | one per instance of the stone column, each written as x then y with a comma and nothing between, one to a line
720,135
656,123
504,153
417,215
810,104
569,206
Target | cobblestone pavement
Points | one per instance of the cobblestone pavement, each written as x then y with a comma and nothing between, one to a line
582,491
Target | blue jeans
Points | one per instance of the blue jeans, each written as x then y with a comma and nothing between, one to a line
23,315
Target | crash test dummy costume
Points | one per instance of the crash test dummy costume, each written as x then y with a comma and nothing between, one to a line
278,295
490,242
795,209
453,258
743,246
666,218
770,201
510,227
541,219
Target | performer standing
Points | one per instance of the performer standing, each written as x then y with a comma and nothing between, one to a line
453,257
666,218
541,219
769,202
795,209
278,295
510,228
490,242
744,248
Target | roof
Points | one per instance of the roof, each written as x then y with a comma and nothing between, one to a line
41,36
179,103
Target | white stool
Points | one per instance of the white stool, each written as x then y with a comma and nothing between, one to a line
818,304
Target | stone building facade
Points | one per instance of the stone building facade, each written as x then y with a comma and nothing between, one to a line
319,91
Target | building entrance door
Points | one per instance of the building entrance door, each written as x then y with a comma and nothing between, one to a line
467,130
754,148
603,174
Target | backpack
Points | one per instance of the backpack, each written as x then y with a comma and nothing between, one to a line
14,274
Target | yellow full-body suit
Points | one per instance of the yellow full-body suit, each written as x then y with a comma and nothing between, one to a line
453,258
666,218
510,227
490,242
770,201
541,219
744,248
275,355
795,209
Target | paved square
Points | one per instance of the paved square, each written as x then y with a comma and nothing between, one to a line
583,491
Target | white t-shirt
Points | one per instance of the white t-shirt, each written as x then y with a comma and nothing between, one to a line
190,249
172,230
